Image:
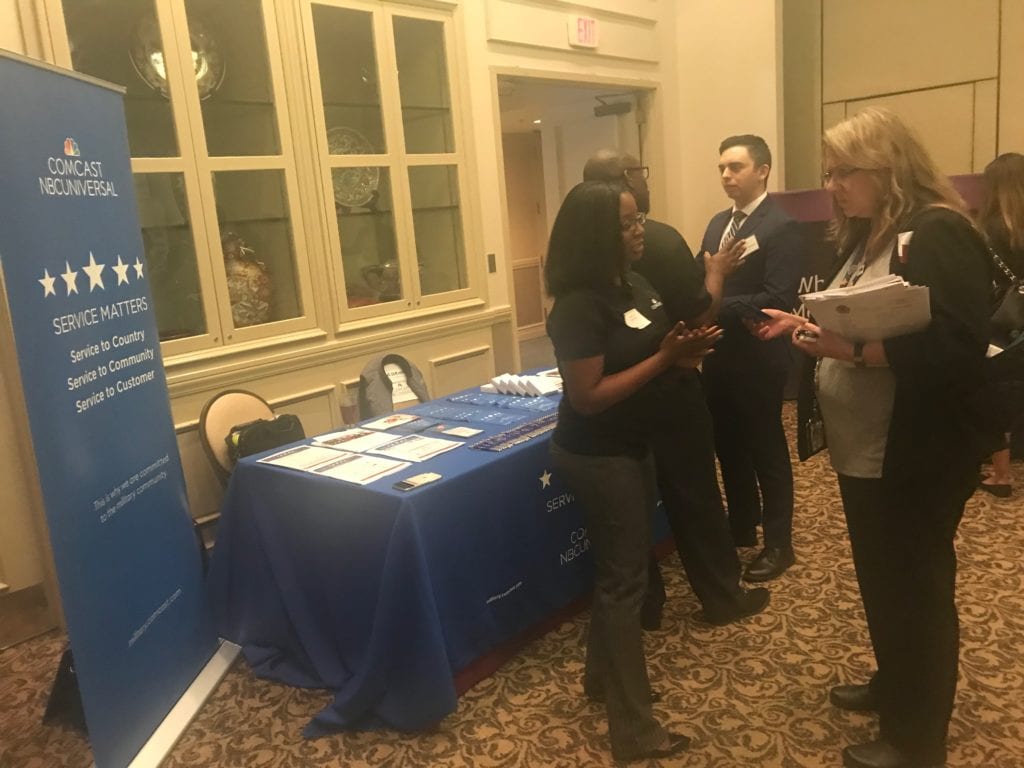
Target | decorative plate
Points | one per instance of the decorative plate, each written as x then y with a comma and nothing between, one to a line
353,187
147,56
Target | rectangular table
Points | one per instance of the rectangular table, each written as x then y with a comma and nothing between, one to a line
382,596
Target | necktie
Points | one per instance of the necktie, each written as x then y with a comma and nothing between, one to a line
734,225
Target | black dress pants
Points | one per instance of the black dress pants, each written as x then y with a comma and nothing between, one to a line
905,560
746,406
684,454
617,494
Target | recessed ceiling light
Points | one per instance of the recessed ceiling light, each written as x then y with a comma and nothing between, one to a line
537,121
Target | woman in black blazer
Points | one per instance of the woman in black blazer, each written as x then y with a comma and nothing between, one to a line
903,420
1001,218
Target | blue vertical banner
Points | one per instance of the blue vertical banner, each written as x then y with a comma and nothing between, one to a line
82,313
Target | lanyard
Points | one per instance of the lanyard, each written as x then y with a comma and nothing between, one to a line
855,271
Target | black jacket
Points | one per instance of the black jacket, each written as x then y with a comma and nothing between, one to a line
769,277
939,428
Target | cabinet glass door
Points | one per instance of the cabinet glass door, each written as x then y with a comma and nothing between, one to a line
367,233
348,81
437,222
170,254
121,42
229,49
257,246
423,85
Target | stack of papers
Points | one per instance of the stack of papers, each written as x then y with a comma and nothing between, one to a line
871,310
526,386
342,465
404,447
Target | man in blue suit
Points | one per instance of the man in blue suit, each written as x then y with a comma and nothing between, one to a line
745,377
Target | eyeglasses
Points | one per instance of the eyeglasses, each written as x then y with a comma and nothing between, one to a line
637,170
639,220
838,175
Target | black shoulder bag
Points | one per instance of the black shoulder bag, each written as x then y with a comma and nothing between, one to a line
263,434
1007,319
810,427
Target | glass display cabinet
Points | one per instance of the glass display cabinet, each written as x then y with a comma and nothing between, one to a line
232,158
390,154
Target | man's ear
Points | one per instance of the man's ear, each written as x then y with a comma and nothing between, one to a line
762,173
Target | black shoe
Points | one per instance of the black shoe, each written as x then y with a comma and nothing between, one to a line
855,698
1001,490
770,563
750,603
676,743
882,754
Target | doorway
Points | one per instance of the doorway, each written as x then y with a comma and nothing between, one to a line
548,130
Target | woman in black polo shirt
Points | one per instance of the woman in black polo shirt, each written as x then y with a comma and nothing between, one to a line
620,358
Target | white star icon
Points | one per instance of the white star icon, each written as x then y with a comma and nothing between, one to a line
138,268
47,282
70,277
545,479
121,270
94,271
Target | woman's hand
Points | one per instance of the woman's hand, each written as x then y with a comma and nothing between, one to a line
817,342
780,323
686,347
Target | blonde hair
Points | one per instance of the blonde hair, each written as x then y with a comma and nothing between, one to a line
904,174
1001,217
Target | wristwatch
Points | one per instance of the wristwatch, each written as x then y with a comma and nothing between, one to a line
858,354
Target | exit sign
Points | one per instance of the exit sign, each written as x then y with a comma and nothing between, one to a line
582,32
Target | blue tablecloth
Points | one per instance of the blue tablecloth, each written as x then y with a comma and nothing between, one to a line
381,595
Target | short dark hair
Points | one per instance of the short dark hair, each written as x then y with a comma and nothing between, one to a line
585,248
756,146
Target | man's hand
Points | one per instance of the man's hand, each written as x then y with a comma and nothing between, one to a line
727,260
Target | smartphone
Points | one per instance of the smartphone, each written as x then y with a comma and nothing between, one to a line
416,481
802,334
750,312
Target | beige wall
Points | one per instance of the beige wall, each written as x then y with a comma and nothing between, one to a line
11,37
954,70
1011,77
724,79
801,68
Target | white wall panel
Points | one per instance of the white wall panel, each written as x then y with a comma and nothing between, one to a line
873,47
460,370
11,37
986,108
942,117
1011,78
831,114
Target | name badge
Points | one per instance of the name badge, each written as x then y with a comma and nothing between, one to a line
634,319
903,245
750,245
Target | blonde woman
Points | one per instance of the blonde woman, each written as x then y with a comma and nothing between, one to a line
902,416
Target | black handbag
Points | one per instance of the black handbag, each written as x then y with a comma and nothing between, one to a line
263,434
810,427
1007,319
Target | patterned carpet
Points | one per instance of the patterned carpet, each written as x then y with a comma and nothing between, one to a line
751,694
